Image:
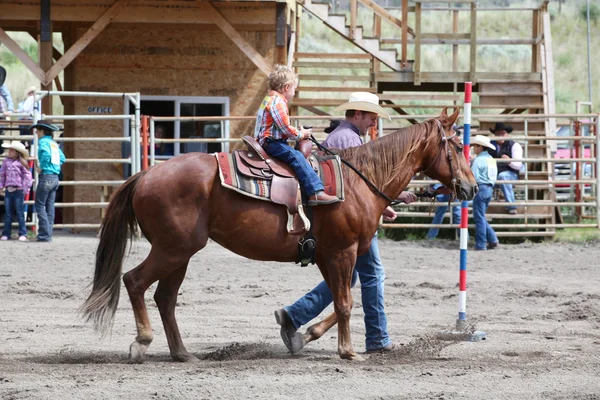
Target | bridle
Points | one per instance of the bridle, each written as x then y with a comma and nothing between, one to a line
426,194
445,143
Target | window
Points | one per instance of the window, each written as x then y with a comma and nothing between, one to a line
169,106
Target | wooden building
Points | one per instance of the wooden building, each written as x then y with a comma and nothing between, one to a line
184,57
201,58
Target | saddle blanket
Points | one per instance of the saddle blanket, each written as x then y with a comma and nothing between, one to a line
330,172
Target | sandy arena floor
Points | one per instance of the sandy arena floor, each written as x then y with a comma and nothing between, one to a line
539,305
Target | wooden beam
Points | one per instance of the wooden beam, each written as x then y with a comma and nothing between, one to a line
319,56
383,13
22,56
417,64
473,38
239,41
315,110
85,40
404,62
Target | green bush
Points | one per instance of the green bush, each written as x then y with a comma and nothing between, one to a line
594,11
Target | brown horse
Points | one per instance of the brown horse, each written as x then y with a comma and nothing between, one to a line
180,204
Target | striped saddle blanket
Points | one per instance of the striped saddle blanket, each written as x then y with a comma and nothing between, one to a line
328,168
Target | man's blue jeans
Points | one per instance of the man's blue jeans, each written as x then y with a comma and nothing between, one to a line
13,203
438,218
44,205
484,233
372,276
308,178
507,190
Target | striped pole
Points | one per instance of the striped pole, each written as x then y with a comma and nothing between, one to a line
461,322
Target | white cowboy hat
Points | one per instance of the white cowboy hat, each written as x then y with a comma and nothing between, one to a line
18,146
29,90
364,101
483,141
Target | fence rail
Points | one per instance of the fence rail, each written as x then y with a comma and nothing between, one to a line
531,208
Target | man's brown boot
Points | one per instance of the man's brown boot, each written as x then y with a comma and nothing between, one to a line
321,198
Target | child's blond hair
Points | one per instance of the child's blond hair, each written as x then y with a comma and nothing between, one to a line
280,77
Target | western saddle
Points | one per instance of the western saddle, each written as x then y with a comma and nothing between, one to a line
256,163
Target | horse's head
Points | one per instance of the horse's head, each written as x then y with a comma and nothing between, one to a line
446,161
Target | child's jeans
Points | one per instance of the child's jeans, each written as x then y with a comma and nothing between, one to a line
308,178
13,202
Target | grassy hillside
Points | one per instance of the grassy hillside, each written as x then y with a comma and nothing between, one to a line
568,35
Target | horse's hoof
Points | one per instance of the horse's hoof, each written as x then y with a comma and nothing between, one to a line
137,352
297,343
352,357
185,358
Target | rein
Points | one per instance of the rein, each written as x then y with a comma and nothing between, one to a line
353,168
424,194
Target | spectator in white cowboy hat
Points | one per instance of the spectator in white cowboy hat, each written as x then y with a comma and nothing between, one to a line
50,159
361,112
507,171
15,180
485,171
28,105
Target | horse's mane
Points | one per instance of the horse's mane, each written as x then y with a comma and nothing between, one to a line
382,160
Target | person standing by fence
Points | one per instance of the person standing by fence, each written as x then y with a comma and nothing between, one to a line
507,149
485,171
50,160
15,180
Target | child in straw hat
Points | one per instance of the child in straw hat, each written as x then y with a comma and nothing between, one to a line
485,171
15,180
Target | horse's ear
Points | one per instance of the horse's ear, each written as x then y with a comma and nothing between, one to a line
452,119
444,114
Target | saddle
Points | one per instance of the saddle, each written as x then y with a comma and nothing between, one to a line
254,162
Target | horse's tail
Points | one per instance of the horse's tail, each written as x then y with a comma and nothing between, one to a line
119,224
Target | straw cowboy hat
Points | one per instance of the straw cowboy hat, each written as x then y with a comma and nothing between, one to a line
501,127
45,126
483,141
364,101
18,146
29,90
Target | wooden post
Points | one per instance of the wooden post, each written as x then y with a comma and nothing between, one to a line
45,50
455,47
535,48
473,61
404,62
375,63
353,15
281,36
417,67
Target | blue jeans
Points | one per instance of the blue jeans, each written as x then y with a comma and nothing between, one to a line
13,202
308,178
372,276
44,205
507,190
438,218
484,233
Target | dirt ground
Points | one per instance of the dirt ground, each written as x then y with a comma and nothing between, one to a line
539,305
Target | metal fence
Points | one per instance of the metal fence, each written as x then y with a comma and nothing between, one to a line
143,154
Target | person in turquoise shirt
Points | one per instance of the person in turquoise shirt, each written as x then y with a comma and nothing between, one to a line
50,160
485,171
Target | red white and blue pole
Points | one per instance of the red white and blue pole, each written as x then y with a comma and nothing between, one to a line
464,217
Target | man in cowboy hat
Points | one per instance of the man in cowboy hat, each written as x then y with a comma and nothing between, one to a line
485,171
362,111
50,160
507,171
